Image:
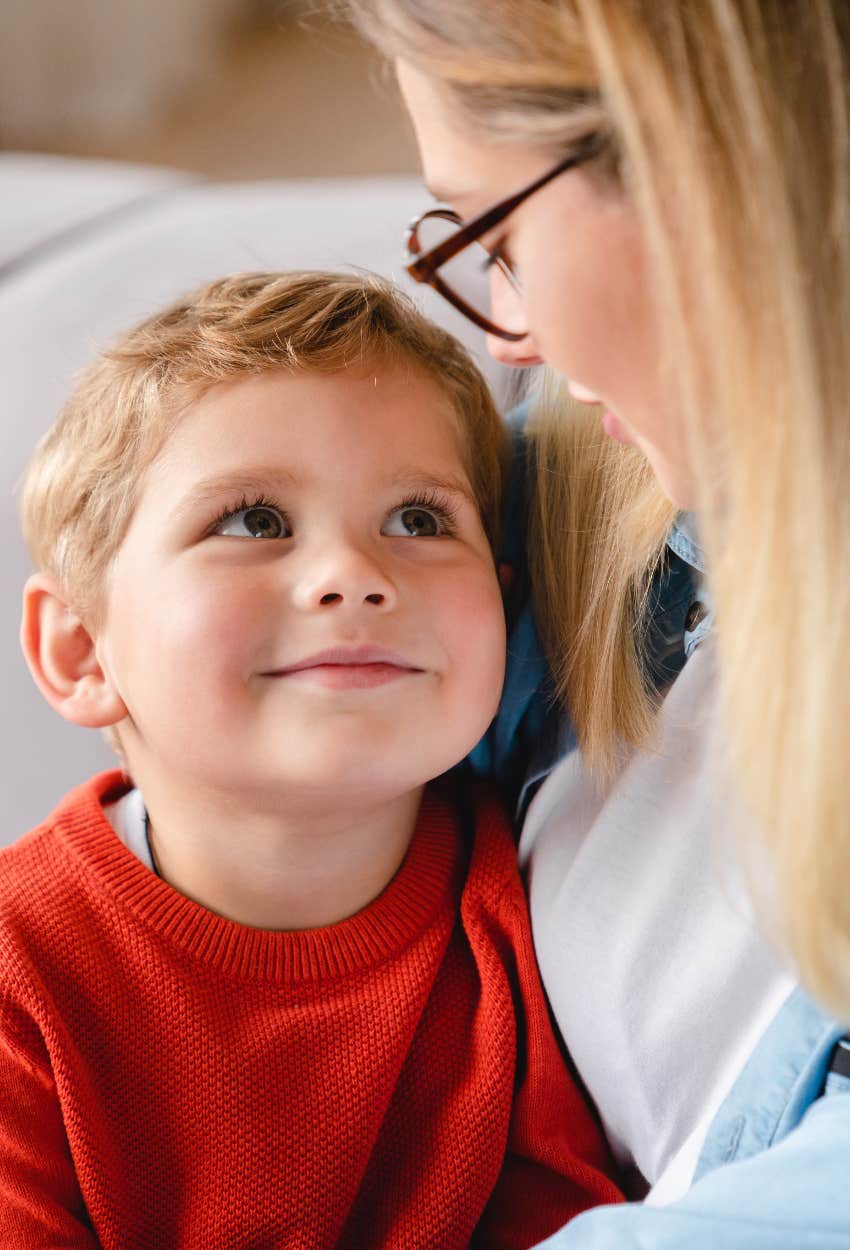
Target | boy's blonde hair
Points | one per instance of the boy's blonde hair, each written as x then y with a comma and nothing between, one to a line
81,487
729,123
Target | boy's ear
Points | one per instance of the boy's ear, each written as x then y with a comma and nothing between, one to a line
61,656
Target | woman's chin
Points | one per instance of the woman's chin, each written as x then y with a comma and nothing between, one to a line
676,481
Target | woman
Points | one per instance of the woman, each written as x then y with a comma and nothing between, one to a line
662,195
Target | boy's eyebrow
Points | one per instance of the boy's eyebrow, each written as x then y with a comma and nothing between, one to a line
412,478
263,480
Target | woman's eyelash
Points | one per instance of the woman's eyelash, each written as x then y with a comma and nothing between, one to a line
496,253
432,501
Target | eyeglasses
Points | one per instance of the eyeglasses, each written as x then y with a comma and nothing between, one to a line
448,255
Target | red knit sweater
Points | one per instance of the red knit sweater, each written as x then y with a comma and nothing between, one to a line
170,1079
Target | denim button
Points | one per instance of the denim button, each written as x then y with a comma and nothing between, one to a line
696,613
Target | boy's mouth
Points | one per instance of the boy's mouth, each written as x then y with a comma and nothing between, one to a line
349,668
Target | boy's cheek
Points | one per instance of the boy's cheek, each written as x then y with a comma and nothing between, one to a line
485,645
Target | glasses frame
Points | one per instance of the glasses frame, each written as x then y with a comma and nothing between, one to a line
424,265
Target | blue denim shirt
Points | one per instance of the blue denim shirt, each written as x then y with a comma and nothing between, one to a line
774,1171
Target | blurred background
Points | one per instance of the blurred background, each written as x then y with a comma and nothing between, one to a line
231,89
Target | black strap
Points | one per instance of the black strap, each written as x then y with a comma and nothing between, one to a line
839,1062
156,871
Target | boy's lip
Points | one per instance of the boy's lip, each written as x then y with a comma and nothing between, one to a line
355,656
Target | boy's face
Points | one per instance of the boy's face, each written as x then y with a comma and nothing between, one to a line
305,602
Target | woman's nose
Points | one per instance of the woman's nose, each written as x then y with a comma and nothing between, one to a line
344,578
506,310
520,353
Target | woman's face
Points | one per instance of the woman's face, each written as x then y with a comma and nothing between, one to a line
577,248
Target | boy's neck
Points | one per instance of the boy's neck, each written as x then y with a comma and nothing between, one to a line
282,870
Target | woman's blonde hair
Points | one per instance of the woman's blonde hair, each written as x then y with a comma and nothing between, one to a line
730,129
80,489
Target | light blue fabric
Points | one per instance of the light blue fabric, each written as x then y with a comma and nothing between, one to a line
782,1078
684,540
795,1196
774,1169
773,1173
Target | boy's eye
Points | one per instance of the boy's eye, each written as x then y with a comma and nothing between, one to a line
259,521
413,522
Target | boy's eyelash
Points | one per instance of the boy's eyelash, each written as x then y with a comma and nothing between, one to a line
255,501
433,501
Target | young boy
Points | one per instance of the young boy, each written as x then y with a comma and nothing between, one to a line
265,987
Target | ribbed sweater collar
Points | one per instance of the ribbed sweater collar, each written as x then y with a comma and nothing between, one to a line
426,886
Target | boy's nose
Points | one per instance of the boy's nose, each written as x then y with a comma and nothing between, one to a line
346,578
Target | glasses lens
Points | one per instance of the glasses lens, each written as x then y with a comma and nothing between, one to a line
484,284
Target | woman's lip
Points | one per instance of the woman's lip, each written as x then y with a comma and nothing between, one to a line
611,423
614,427
582,394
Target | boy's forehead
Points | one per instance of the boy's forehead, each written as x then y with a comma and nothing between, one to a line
291,394
289,426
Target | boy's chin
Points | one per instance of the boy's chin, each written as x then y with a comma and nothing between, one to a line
307,775
347,788
342,786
